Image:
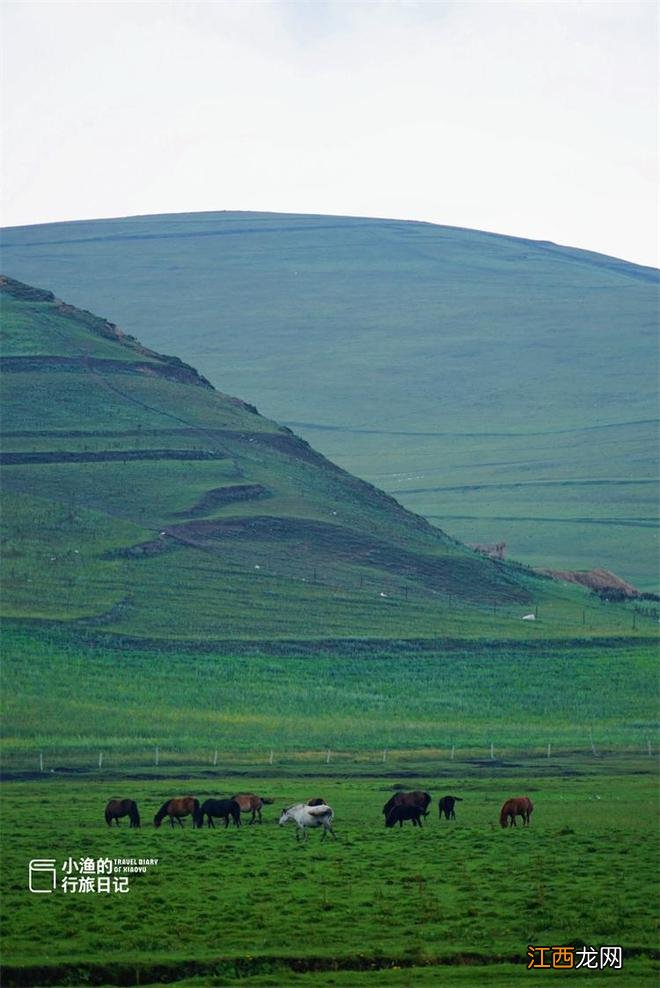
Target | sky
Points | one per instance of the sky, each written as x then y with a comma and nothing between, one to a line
535,119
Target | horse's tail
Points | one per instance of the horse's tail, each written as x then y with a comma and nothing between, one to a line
504,815
162,812
197,815
459,799
135,815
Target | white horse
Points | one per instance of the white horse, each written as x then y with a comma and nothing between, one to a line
309,816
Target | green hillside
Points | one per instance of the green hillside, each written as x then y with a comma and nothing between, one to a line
140,501
503,388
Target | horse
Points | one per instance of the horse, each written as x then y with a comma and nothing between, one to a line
306,816
446,806
416,798
400,813
176,808
122,807
218,807
248,802
521,806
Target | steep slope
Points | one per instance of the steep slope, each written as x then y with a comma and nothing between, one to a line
137,499
505,389
136,495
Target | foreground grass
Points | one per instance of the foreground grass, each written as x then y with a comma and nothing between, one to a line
254,904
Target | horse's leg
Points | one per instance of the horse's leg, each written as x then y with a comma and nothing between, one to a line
172,822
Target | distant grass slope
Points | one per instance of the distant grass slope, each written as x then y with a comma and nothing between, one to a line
138,500
503,388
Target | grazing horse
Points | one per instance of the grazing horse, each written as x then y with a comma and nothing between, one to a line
416,798
122,807
176,808
249,803
306,816
218,807
522,806
400,813
446,806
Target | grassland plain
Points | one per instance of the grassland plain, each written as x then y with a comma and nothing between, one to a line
457,901
504,388
74,697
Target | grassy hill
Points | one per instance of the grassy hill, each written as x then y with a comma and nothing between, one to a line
502,388
139,500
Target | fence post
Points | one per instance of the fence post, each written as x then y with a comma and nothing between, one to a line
100,759
327,757
453,749
593,746
215,758
649,748
549,749
492,751
41,761
157,758
384,754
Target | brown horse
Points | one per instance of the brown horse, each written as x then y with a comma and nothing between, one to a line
249,803
521,806
416,798
122,807
176,808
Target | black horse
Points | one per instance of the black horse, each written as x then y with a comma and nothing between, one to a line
218,807
400,813
122,807
446,806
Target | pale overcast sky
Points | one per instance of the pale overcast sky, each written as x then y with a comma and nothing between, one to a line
530,118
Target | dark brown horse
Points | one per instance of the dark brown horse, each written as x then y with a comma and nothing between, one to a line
218,807
122,807
176,808
249,803
416,798
521,806
446,806
398,814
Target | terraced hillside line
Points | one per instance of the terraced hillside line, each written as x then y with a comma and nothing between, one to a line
219,497
107,455
171,372
346,544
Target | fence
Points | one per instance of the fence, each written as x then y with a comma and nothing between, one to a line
167,758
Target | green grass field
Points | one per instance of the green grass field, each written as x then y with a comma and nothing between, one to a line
354,698
195,600
375,907
503,388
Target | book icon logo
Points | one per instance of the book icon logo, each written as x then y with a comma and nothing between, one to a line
42,875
